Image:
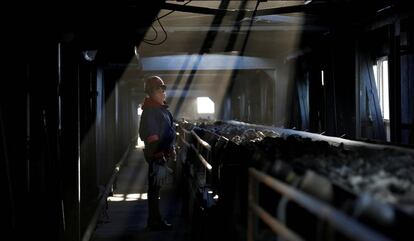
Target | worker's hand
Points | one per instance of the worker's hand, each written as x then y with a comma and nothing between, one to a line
161,172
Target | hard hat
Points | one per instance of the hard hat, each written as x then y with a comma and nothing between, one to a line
153,83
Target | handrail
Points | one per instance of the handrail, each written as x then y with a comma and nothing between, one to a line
185,131
201,141
343,223
197,152
185,142
276,226
201,158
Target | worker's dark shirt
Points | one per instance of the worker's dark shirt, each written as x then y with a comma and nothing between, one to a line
157,123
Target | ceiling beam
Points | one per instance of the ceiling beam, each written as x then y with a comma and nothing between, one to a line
214,11
234,29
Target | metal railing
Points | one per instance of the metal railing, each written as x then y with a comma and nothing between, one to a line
341,222
202,144
200,148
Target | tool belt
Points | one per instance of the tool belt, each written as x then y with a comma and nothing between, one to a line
156,156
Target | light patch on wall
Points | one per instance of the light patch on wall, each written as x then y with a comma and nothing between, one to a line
205,105
127,197
115,199
381,81
133,197
140,144
144,196
322,78
139,110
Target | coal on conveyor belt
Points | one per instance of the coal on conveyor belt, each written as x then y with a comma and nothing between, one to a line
387,175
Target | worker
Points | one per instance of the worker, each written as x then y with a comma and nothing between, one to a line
158,133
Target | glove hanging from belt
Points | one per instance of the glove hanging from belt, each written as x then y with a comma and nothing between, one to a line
160,172
157,159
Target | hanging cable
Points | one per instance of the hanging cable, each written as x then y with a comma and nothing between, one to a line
150,41
155,37
165,35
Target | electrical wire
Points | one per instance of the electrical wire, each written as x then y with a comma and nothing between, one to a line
156,34
151,41
162,41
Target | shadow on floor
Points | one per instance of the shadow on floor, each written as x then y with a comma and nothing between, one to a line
126,214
